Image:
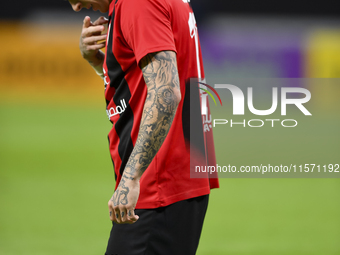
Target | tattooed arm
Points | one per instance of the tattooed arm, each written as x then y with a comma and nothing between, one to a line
163,96
161,78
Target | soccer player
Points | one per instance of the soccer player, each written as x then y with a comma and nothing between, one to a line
152,50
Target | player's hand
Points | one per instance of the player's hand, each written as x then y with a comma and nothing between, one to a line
123,202
91,39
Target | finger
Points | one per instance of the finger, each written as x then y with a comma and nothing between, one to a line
100,21
94,39
93,30
95,46
102,45
112,215
87,22
123,215
116,211
131,216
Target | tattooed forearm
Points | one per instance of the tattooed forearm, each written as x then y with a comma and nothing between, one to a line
161,77
128,177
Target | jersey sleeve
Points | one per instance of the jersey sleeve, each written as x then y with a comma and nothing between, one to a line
146,27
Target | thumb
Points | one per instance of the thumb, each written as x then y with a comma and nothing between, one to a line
87,22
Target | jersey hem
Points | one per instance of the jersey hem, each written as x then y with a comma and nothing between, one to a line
173,199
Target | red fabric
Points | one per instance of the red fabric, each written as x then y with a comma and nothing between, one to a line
139,28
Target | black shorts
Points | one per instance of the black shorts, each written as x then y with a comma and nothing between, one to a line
171,230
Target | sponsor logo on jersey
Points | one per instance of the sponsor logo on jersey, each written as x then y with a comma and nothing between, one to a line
119,109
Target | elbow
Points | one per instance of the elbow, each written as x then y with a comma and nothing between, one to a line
168,98
171,97
177,96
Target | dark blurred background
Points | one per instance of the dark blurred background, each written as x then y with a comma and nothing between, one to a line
20,9
286,39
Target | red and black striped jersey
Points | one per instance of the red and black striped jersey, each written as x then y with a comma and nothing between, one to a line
137,28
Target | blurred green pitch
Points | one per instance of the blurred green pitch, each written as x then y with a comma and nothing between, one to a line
56,178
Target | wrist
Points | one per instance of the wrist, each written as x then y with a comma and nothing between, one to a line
94,59
131,176
99,70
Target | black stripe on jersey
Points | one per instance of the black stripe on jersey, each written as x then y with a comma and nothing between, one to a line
113,163
106,100
125,122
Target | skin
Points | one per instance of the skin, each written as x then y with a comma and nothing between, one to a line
163,96
101,5
91,39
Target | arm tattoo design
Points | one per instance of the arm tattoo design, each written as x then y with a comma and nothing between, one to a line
163,96
120,196
161,77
